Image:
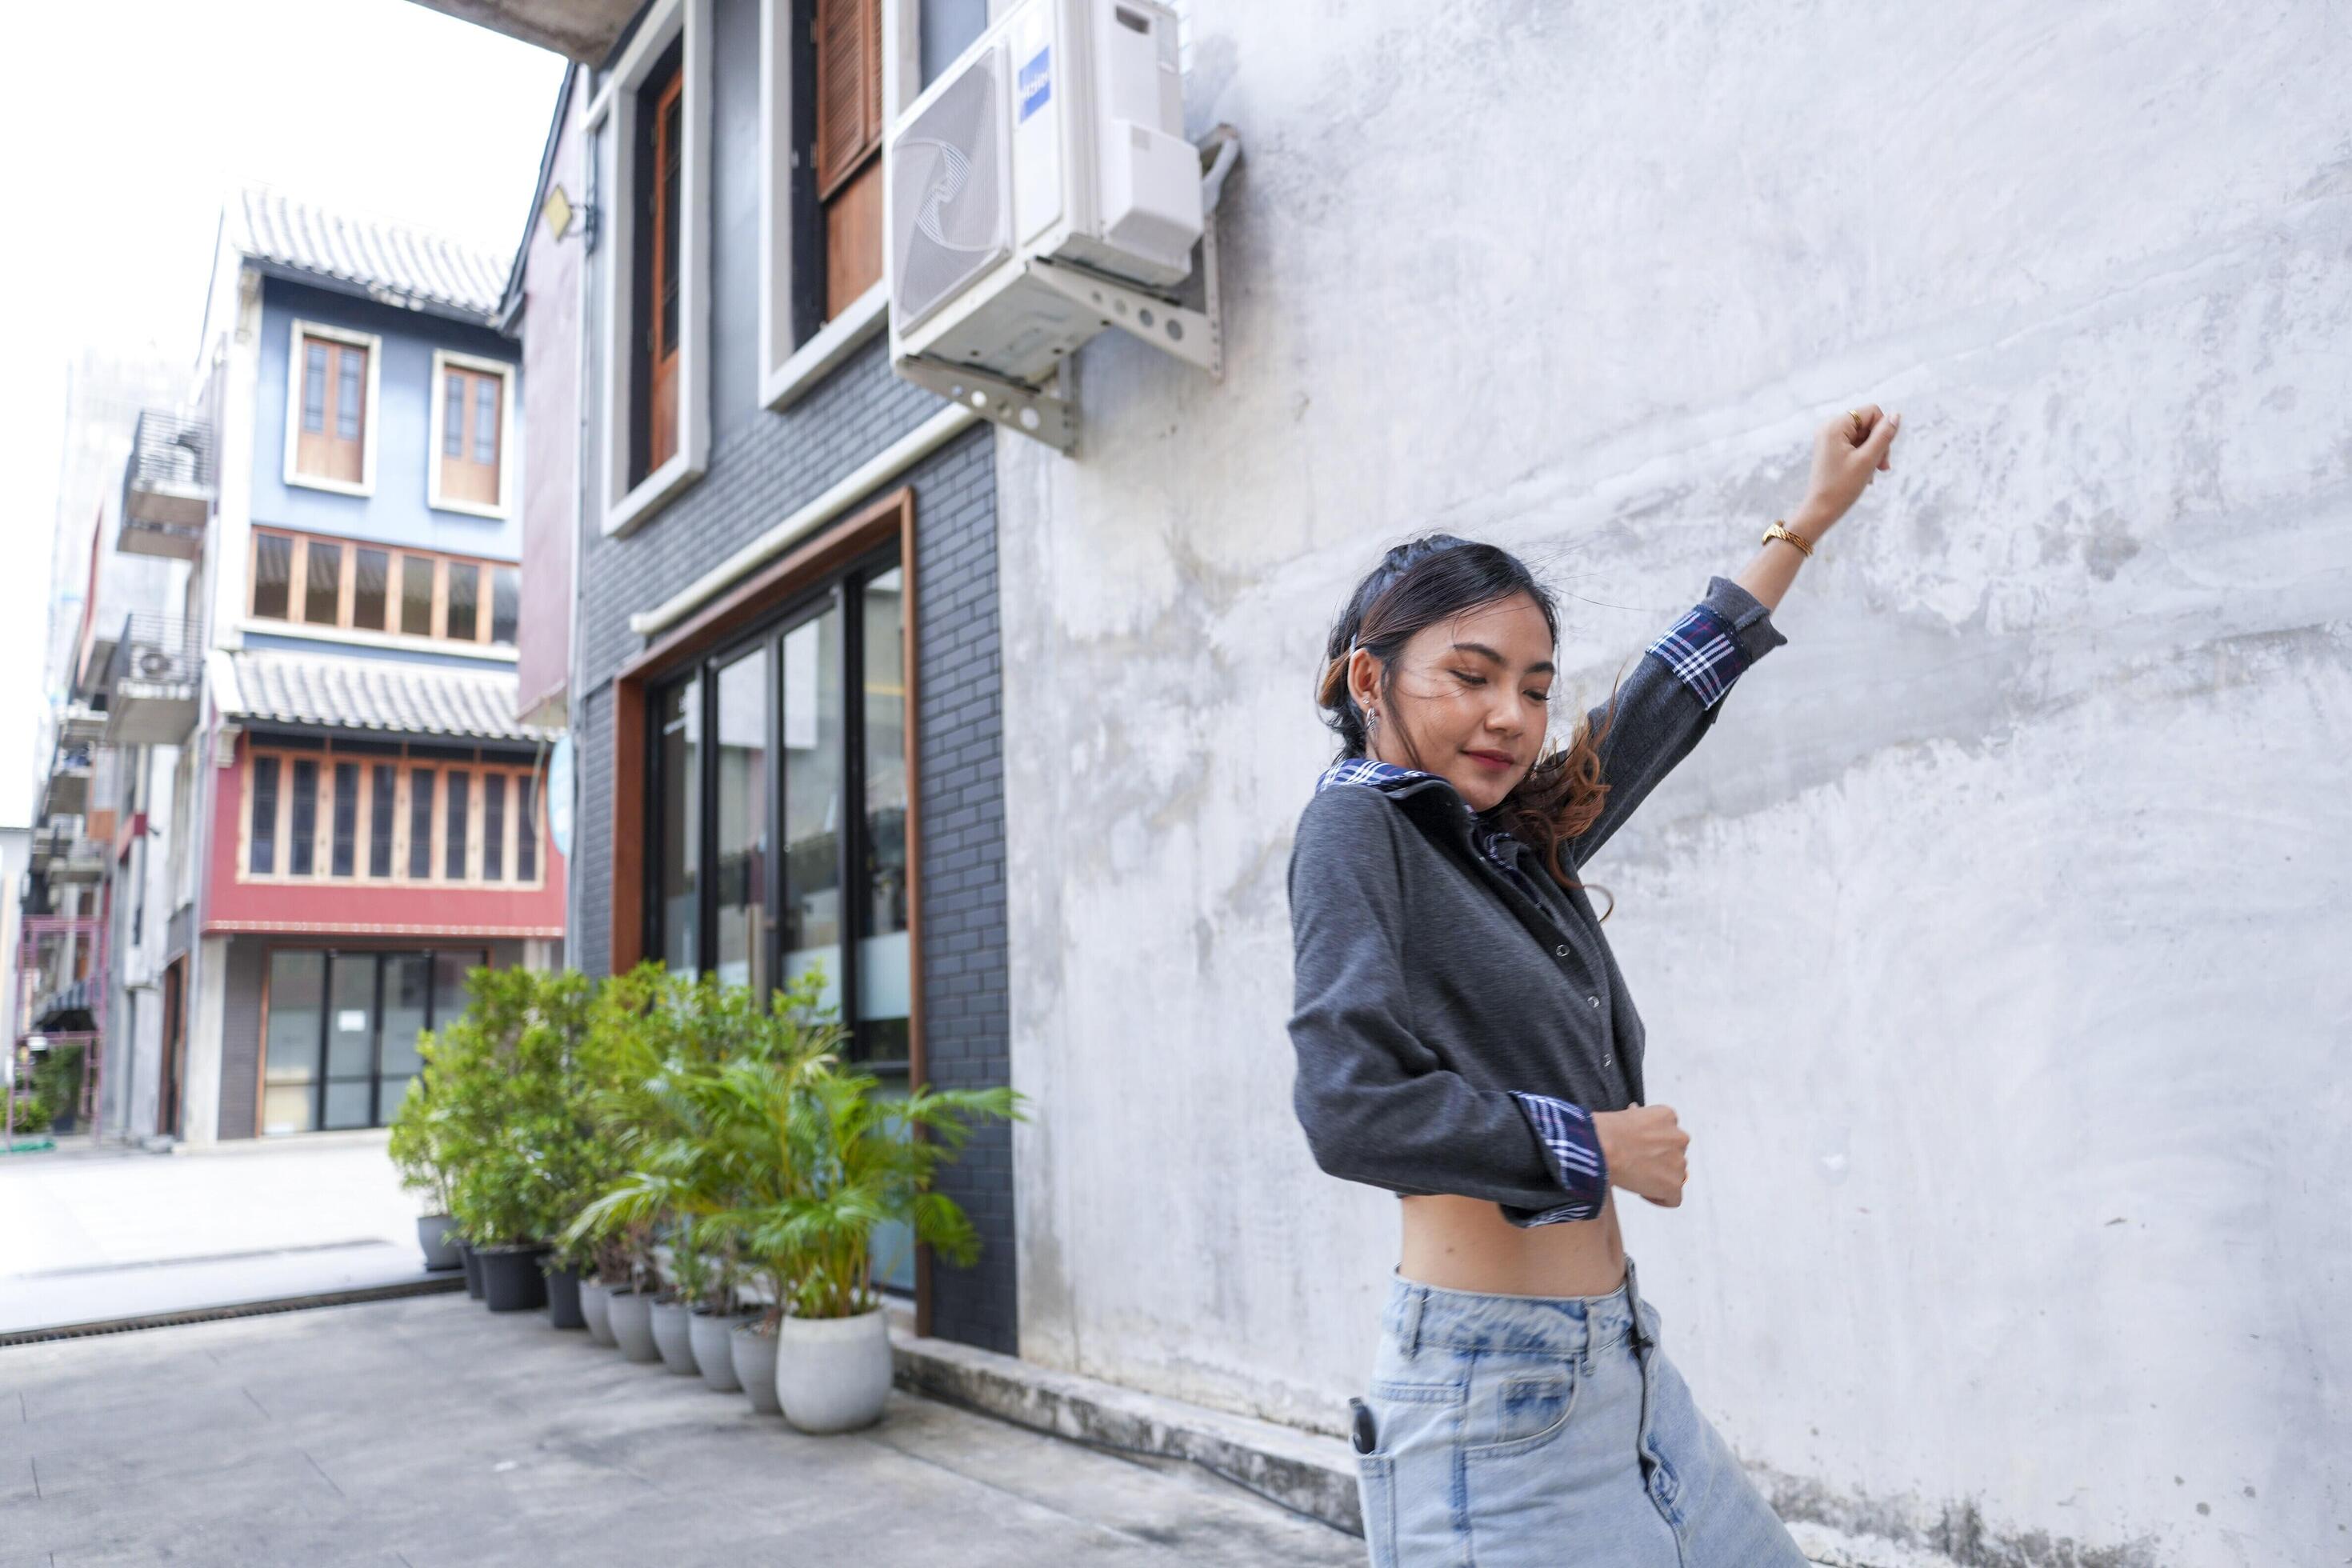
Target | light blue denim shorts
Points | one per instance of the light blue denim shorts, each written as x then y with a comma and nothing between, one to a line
1512,1431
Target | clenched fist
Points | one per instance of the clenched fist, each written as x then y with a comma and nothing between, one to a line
1848,453
1643,1149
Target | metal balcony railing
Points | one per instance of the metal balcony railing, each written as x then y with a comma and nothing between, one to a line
154,650
168,485
151,682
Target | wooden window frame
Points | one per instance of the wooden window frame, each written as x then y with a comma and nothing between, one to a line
659,363
436,495
799,344
627,502
404,768
844,154
347,591
369,405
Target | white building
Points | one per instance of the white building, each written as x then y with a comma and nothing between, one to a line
1989,949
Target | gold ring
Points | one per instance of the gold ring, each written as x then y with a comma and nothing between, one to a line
1855,415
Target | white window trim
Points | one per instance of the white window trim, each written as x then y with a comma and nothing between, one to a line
360,636
444,360
824,353
788,369
614,110
368,421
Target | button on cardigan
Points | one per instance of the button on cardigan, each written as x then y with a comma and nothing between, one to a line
1457,1014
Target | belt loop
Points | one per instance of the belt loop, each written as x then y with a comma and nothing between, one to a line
1638,1334
1411,1333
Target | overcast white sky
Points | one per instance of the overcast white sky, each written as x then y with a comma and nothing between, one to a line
138,118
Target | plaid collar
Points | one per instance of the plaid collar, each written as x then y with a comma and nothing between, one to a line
1494,841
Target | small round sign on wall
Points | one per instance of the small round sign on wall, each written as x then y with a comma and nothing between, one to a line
558,796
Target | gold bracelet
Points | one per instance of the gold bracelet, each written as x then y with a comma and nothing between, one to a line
1780,531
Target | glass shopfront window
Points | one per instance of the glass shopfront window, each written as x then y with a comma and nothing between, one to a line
806,728
740,860
339,1044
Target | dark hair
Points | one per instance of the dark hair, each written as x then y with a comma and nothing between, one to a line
1423,582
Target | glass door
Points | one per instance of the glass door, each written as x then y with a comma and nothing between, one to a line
350,1040
812,745
407,1013
778,845
884,969
738,862
295,1019
339,1041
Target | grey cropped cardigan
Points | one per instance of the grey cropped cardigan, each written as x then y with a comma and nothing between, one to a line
1442,992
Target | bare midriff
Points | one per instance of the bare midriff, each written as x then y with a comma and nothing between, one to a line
1466,1244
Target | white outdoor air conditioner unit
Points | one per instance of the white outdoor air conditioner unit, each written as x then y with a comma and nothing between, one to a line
1040,190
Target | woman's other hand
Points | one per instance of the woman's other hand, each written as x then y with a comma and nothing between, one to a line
1846,456
1643,1149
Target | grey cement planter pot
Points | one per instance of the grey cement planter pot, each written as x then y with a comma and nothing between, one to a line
511,1281
673,1333
709,1333
434,1235
473,1266
564,1309
595,1297
632,1317
754,1355
832,1375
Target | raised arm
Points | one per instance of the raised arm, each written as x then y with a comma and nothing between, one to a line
1671,698
1376,1103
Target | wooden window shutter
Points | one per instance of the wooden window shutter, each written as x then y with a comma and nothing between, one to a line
662,301
848,89
329,444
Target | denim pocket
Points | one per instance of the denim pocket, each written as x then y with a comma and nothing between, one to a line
1376,1493
1518,1404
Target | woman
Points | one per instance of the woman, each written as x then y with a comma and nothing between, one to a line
1466,1040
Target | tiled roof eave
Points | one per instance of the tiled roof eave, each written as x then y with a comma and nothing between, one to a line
365,288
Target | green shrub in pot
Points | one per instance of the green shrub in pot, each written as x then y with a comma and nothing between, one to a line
510,1134
416,1150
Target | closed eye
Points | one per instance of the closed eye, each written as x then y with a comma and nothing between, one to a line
1470,677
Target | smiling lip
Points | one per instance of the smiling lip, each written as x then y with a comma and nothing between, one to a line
1488,759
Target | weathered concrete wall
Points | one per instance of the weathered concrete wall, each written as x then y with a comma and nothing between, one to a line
1992,949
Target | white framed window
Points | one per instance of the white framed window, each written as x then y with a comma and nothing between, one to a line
653,114
331,407
868,49
470,462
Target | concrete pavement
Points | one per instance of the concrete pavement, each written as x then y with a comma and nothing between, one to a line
427,1431
101,1233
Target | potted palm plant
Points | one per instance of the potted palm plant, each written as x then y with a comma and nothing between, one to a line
856,1159
665,1044
415,1154
623,1086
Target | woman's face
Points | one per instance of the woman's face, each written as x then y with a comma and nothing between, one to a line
1472,692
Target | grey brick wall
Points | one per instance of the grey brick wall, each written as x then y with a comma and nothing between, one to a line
762,466
962,789
760,471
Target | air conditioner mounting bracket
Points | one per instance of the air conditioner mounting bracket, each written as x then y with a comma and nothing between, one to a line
1017,407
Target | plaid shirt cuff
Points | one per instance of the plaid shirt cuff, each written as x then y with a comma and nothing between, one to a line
1703,653
1569,1142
